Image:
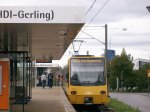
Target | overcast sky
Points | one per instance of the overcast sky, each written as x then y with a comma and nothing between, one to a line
118,15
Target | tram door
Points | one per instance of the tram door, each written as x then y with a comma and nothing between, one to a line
4,84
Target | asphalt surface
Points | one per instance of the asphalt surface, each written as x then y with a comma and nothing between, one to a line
136,100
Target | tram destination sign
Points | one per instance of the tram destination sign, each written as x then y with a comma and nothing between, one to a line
37,14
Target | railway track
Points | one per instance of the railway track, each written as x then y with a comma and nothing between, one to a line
91,108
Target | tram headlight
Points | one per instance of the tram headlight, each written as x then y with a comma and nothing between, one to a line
102,92
73,92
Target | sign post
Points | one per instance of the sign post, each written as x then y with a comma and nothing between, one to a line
148,79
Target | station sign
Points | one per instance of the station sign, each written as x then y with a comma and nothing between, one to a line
43,61
40,14
46,65
110,55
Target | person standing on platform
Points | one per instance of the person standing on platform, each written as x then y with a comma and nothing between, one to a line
50,80
58,80
43,79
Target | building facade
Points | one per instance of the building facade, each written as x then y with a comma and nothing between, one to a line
138,63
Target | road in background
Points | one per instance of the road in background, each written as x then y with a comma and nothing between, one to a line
136,100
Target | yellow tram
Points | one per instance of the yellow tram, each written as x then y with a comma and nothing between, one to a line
86,81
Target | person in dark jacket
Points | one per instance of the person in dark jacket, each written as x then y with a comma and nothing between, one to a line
50,80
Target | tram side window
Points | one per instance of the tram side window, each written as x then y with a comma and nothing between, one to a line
0,79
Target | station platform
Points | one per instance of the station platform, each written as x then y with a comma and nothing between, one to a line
49,100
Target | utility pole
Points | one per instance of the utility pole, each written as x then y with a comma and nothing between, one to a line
106,43
106,56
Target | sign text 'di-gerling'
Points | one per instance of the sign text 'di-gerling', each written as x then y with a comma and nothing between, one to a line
21,14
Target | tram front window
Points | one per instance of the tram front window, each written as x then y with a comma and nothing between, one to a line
87,72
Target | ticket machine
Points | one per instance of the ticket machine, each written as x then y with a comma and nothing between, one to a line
4,84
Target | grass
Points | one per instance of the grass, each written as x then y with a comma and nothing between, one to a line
118,106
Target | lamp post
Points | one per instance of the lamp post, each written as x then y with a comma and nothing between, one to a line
121,78
148,8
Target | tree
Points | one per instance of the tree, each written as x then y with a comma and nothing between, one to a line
121,67
141,80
